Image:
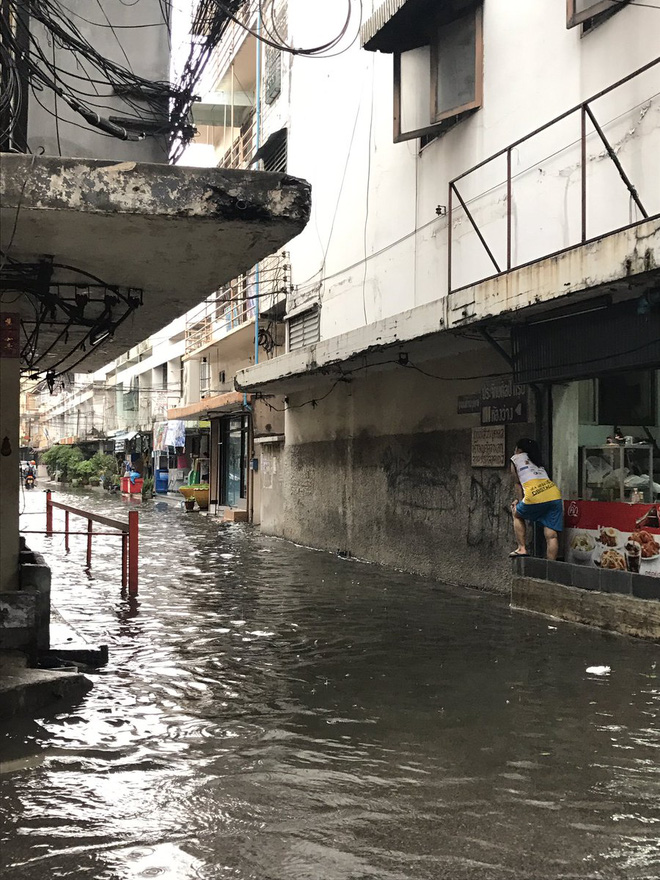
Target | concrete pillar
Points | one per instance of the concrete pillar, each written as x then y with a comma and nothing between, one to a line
174,377
191,382
9,474
565,424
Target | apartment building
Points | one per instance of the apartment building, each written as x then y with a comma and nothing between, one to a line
481,265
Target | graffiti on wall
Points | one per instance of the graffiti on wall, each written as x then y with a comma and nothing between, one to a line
489,516
420,480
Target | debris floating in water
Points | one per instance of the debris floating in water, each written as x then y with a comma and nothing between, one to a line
598,670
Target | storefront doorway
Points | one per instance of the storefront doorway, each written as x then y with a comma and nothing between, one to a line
231,454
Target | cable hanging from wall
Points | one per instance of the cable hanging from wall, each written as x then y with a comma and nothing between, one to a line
75,315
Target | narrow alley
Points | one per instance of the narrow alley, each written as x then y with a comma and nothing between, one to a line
273,712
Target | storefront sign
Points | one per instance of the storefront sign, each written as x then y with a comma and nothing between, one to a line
10,335
503,402
468,403
120,445
613,535
489,447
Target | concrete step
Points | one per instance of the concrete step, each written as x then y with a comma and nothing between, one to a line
32,692
67,644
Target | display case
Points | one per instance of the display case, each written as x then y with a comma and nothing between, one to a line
618,473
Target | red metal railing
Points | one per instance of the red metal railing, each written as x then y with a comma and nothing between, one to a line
128,531
586,113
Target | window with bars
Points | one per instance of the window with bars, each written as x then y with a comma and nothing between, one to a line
273,57
438,61
304,329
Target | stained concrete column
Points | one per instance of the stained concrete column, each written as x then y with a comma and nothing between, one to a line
9,463
565,438
191,381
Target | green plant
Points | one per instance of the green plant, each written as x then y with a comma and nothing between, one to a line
148,487
84,470
63,460
104,465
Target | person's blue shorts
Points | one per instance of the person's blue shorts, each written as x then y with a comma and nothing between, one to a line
549,513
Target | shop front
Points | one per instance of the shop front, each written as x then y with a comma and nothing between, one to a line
180,454
602,367
605,432
221,450
230,446
132,451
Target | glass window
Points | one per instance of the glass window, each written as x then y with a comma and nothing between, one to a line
456,68
440,80
204,377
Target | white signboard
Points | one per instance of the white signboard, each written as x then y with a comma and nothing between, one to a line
489,446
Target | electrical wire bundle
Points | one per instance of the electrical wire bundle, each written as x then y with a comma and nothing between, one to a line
11,95
158,109
271,36
89,310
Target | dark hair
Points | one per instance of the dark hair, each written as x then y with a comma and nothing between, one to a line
531,450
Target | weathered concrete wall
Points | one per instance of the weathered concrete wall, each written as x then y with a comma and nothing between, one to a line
25,691
382,468
25,613
622,614
409,501
35,578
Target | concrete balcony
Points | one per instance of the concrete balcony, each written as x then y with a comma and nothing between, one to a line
165,235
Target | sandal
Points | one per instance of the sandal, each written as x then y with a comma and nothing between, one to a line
515,554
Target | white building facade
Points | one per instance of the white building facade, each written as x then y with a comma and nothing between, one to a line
418,345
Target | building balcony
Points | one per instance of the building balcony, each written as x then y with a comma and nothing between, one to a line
236,49
180,232
219,316
266,287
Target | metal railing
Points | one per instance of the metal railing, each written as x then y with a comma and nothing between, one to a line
586,115
128,531
222,312
235,304
243,148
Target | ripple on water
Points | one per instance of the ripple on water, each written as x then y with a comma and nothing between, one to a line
270,712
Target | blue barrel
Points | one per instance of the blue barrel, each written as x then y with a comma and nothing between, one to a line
162,481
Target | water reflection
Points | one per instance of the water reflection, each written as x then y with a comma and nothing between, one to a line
271,712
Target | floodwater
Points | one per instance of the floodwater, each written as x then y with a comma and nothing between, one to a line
275,713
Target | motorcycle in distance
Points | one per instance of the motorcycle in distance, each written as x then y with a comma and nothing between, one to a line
29,481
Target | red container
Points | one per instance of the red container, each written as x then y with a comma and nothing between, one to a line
129,488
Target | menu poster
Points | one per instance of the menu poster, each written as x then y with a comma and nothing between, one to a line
613,535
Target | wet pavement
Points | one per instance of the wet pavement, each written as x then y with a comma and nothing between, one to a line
275,713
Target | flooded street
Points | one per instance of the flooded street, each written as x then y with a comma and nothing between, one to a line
275,713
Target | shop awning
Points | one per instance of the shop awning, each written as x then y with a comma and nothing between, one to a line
218,403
